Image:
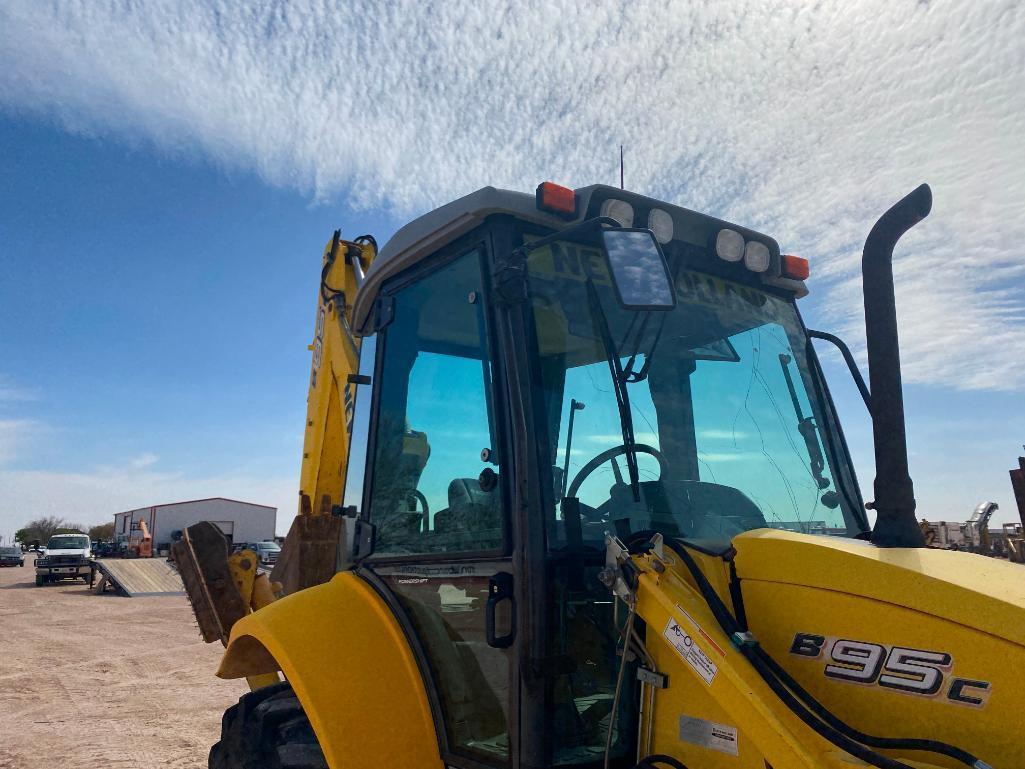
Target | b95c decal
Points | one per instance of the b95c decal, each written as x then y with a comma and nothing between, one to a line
901,669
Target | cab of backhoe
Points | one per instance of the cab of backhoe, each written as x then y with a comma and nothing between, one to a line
544,370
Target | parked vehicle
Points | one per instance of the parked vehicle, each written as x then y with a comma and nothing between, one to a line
105,550
11,556
66,557
267,552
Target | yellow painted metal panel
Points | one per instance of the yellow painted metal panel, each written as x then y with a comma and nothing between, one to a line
348,661
993,732
714,689
973,590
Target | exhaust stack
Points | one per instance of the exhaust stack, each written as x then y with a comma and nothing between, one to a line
896,524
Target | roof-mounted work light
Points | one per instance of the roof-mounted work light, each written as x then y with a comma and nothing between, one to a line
661,224
619,210
729,245
756,256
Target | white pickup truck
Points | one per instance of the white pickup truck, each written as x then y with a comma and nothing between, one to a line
66,557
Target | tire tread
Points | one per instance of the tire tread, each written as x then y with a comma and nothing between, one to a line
267,729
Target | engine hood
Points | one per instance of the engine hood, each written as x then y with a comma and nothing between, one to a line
973,590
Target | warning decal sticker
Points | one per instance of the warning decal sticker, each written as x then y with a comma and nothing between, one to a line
715,647
709,734
684,644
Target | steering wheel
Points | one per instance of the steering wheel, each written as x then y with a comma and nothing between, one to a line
605,456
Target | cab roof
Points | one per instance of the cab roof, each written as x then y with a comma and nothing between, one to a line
432,231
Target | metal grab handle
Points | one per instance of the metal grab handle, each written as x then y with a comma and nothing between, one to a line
500,588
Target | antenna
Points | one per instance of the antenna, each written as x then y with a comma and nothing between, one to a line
621,167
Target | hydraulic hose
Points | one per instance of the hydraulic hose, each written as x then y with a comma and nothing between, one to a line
796,698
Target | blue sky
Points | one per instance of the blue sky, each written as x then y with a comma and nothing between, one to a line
155,313
169,174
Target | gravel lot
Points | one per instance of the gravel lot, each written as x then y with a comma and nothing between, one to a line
103,681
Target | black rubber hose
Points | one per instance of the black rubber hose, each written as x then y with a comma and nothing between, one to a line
799,700
729,626
891,743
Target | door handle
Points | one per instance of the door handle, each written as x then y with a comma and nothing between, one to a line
500,588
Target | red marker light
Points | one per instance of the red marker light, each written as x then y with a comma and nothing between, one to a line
795,267
556,199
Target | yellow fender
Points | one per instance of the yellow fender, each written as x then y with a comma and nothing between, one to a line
341,648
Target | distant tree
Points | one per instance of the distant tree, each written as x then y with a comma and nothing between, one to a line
41,529
102,533
72,528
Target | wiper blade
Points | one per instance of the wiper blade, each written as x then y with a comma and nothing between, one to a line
806,427
619,386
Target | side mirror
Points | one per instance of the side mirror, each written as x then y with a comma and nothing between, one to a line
364,536
638,268
346,553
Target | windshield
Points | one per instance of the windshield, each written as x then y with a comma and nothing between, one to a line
68,543
267,546
10,551
701,421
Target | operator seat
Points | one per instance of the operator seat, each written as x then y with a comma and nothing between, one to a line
471,512
398,519
702,510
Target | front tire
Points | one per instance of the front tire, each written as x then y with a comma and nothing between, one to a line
267,729
39,581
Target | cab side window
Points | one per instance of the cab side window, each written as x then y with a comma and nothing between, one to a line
434,421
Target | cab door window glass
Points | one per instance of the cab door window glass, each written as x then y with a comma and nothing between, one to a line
447,605
434,422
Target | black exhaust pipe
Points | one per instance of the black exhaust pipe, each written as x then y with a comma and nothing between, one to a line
896,524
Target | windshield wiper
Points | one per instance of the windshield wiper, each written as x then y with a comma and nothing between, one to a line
806,427
619,386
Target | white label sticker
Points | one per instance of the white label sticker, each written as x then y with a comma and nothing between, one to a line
681,640
709,734
716,647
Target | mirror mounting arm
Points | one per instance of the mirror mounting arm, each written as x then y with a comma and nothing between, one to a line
583,226
848,357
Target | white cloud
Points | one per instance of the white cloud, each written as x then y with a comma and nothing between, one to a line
616,439
723,435
736,456
144,460
13,393
803,120
15,434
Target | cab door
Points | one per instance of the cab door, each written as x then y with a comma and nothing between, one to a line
434,493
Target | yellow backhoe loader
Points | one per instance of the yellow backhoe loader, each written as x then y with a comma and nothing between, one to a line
574,494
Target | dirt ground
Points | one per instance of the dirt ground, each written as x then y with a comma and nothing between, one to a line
102,681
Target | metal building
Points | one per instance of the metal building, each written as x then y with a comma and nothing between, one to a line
240,521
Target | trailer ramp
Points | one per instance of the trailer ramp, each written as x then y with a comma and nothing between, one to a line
139,576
